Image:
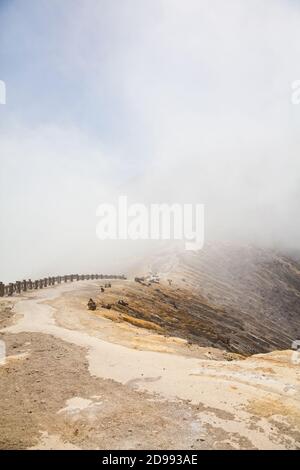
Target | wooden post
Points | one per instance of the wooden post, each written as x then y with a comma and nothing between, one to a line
65,278
29,284
18,287
41,283
92,277
10,289
36,284
24,285
2,289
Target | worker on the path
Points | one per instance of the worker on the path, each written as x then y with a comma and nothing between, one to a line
91,305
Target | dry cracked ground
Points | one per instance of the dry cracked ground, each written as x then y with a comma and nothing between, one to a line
137,376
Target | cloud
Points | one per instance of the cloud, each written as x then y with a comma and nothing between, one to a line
165,101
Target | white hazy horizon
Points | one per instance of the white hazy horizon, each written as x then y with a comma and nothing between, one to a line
163,101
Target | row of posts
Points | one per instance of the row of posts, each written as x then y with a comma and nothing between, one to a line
25,285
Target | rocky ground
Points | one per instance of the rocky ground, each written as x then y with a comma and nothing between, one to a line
110,379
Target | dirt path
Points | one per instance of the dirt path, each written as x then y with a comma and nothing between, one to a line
253,403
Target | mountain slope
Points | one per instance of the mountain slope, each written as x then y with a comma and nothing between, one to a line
244,299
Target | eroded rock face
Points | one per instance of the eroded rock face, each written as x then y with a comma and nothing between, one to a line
254,293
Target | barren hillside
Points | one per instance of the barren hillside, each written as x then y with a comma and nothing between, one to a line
163,362
245,299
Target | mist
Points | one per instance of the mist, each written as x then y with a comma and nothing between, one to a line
163,101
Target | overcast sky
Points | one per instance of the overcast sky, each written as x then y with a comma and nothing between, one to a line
162,100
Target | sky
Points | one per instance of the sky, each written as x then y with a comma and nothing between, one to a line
164,101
